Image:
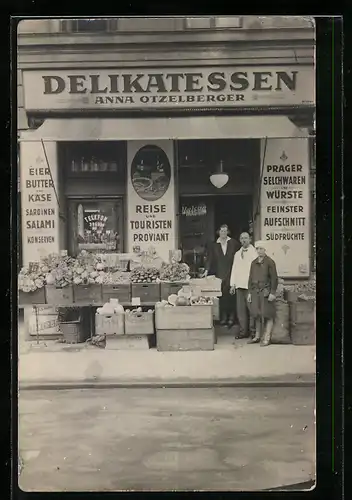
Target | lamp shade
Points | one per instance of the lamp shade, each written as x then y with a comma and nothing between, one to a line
219,179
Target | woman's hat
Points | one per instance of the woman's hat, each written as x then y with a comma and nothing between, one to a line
260,244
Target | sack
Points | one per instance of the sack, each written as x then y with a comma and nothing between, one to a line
281,329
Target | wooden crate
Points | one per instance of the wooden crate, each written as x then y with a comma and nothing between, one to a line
122,292
32,298
303,334
59,296
184,317
139,323
127,342
110,324
216,309
147,292
169,288
87,294
186,340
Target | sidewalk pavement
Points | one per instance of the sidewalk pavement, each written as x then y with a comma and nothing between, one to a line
51,365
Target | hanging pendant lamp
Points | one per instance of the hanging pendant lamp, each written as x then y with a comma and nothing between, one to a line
219,178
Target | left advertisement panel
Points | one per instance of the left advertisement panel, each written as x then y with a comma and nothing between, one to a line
40,219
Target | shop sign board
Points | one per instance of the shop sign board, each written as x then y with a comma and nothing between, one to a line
151,197
40,220
40,217
285,205
169,88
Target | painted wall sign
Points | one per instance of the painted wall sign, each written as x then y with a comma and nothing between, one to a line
285,205
40,211
150,173
151,202
40,220
169,87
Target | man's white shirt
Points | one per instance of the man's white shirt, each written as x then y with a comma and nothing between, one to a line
241,266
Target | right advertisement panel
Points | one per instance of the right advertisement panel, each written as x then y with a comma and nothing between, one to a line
285,204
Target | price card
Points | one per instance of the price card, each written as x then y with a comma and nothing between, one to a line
136,301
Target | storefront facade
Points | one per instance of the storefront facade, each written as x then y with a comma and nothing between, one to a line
119,155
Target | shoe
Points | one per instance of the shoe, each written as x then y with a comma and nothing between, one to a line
241,336
254,340
230,323
267,333
223,322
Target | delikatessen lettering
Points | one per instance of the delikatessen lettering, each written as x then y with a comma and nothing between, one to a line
146,83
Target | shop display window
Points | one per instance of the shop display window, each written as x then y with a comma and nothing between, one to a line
95,158
97,226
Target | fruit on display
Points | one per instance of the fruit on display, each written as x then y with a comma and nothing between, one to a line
179,300
172,299
143,274
182,301
201,301
175,272
137,312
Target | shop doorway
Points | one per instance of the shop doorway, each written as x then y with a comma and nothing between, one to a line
235,211
200,217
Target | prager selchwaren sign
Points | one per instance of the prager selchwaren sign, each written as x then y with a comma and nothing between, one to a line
169,88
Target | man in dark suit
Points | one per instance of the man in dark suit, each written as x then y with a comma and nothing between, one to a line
219,262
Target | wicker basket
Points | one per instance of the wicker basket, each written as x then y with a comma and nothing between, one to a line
72,331
59,296
32,298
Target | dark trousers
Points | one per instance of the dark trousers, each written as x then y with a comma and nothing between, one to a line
227,303
245,320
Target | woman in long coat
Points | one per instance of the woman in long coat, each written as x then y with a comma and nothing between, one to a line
262,285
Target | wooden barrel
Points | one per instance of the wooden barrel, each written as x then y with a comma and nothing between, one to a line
281,329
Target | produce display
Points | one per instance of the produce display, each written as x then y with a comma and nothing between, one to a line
32,277
137,312
182,299
305,289
174,272
61,271
143,274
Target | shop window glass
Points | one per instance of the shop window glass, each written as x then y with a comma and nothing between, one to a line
95,158
97,226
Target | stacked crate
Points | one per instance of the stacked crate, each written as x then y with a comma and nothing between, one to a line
184,328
